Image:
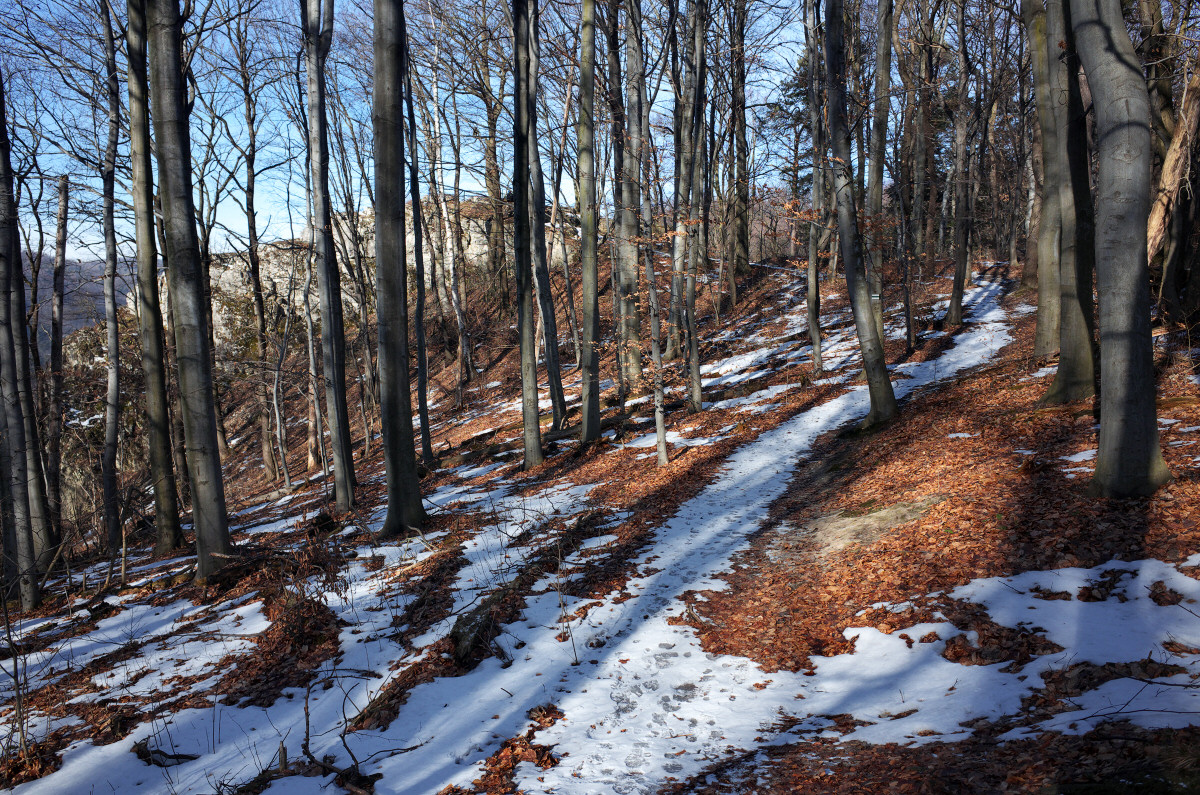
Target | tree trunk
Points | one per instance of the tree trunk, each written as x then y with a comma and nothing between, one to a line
168,535
1045,341
883,399
812,46
418,214
589,232
404,508
1173,175
524,107
317,27
112,401
186,287
14,449
1129,462
879,122
740,261
540,258
962,215
1076,375
54,415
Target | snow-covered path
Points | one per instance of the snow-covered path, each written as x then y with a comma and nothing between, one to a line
642,702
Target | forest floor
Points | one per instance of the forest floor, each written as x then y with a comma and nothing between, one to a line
790,605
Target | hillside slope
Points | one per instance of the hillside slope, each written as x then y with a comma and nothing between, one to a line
788,606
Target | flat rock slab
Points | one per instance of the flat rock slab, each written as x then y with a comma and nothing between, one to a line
831,533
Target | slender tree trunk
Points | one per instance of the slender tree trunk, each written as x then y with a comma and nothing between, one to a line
1045,340
405,510
317,28
524,107
418,224
1075,378
316,423
1033,219
589,233
740,261
879,123
112,402
818,192
962,215
54,414
627,214
537,200
178,445
186,287
1129,462
168,535
883,399
250,116
14,448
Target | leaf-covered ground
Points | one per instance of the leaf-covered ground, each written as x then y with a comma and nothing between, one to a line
789,605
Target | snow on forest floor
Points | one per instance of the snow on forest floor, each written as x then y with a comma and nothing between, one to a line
637,702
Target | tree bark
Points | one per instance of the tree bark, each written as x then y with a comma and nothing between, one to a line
1129,462
879,123
524,106
962,214
404,508
589,232
186,287
1173,175
54,414
1076,375
418,225
14,440
540,259
812,46
112,400
1045,341
740,261
883,399
317,28
168,535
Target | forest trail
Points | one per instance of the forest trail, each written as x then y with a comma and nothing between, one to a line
549,635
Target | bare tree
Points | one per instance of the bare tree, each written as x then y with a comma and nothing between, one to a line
150,321
399,455
317,29
1129,462
186,285
13,442
524,20
883,399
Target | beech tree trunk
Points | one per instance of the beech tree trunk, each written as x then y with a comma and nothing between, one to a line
962,214
1076,375
404,508
524,108
168,97
812,46
54,413
112,401
589,232
879,123
150,323
418,226
13,442
883,399
740,261
317,28
537,215
1045,341
1129,462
